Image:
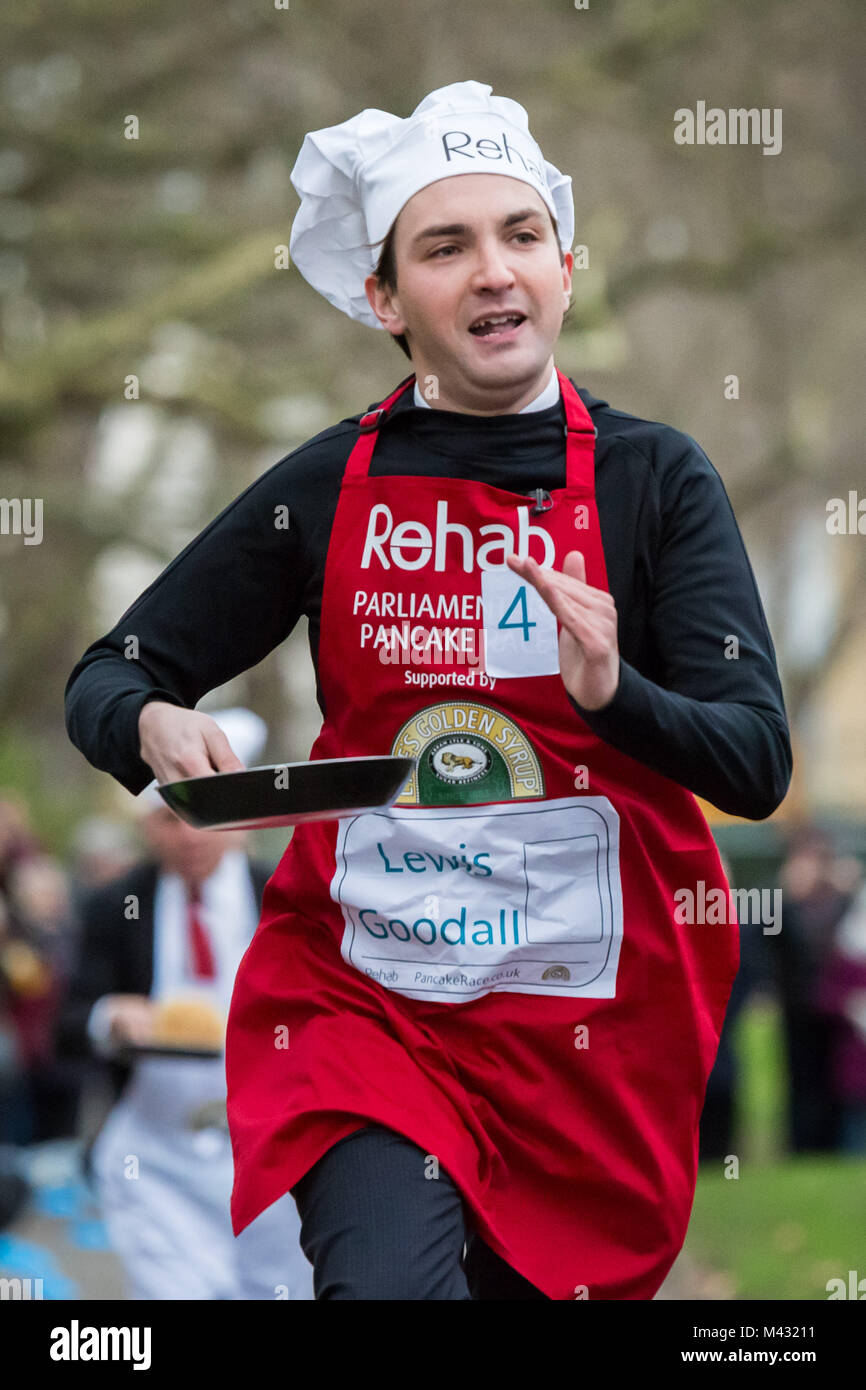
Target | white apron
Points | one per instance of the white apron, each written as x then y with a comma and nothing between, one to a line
164,1188
164,1174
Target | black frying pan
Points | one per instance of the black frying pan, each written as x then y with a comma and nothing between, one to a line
287,793
130,1051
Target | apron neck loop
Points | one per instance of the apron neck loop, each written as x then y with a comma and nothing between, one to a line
580,435
368,432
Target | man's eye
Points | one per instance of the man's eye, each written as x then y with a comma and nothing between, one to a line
439,249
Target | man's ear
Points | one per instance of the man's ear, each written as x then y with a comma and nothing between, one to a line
567,271
384,304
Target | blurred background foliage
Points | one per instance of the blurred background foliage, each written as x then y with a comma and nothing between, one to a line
154,258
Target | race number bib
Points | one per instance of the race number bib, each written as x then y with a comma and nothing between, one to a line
449,903
520,636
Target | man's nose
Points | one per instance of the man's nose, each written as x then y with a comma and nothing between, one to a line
492,270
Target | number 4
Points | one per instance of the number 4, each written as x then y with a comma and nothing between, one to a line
525,624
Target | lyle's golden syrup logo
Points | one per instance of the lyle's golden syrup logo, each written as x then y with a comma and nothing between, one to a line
466,752
459,760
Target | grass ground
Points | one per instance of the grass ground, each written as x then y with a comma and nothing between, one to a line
784,1226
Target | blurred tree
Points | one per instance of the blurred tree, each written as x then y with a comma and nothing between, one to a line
156,259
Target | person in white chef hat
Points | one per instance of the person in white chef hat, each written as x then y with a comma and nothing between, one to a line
355,178
162,1162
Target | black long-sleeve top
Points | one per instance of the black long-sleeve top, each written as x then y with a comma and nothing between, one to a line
685,706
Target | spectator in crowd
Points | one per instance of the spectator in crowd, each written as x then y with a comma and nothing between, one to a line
17,841
14,1106
36,961
813,901
842,992
163,942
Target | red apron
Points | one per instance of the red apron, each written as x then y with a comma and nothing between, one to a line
523,987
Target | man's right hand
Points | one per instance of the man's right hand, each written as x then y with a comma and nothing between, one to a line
179,743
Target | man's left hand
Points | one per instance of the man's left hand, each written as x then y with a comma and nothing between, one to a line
588,650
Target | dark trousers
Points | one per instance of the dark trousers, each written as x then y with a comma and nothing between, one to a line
377,1223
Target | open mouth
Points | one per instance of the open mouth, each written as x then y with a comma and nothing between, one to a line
497,325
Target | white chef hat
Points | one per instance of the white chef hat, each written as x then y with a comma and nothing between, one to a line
354,178
246,732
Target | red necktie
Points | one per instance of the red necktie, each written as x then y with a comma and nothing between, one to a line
199,941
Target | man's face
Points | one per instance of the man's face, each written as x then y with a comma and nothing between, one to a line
468,248
181,849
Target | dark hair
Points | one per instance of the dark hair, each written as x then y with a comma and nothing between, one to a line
386,274
386,271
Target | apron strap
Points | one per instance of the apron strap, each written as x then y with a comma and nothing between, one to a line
580,434
359,460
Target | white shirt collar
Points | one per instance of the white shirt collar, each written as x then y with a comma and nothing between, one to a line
546,398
